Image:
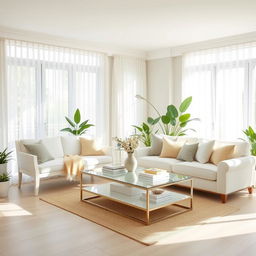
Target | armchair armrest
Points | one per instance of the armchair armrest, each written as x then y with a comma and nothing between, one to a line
27,163
235,174
143,151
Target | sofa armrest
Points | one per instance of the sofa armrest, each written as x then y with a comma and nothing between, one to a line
27,163
143,151
235,174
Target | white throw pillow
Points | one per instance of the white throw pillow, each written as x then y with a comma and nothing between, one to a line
54,146
71,145
204,151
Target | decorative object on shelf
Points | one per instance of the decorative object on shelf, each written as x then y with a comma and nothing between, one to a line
4,185
129,145
157,191
175,120
77,127
4,158
251,135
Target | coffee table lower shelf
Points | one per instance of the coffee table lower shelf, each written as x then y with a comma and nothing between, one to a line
103,190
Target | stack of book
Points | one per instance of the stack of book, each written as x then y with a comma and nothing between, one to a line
113,170
124,189
154,176
158,198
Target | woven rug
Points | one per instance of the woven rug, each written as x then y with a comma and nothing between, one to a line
177,226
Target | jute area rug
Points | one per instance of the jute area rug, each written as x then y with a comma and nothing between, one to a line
173,227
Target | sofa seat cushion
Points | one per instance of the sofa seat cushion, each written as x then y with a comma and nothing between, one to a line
93,161
198,170
157,162
52,166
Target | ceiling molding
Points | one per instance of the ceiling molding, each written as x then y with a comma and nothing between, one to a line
109,50
220,42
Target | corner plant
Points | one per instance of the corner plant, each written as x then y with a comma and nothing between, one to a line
251,135
77,127
145,132
5,156
4,177
175,120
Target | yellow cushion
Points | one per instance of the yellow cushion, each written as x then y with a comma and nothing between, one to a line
171,148
222,153
90,147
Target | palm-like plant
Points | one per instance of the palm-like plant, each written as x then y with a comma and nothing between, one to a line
144,135
77,127
5,156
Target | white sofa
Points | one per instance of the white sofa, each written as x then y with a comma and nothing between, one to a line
227,177
57,147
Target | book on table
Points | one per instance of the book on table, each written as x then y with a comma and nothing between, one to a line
113,167
157,198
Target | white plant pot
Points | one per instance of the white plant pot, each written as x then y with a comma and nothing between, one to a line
4,188
3,168
130,162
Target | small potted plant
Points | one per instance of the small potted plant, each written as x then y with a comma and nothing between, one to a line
4,158
4,184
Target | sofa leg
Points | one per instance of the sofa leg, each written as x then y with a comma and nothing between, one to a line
224,198
20,180
37,184
250,190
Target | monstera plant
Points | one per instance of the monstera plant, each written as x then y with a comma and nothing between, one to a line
175,120
76,126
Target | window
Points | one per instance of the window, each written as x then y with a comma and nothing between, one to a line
222,82
46,83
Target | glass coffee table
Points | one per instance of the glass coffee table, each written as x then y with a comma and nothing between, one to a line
177,199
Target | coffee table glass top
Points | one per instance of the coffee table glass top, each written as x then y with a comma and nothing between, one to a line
133,178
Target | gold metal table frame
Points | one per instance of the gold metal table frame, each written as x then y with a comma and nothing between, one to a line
147,210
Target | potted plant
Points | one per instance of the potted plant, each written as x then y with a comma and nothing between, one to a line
77,127
251,135
4,184
4,158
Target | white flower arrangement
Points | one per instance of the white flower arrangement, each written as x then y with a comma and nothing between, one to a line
128,144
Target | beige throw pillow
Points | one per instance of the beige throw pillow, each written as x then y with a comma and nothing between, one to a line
171,148
91,147
222,153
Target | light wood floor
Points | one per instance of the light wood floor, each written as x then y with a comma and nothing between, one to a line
29,226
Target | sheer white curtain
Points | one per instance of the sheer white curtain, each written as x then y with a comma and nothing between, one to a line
222,83
46,83
129,79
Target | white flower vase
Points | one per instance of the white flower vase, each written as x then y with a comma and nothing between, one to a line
3,168
130,162
4,188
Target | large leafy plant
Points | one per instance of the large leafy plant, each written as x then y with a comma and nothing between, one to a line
251,135
5,156
77,127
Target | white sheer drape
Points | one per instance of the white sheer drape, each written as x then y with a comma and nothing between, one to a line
222,83
46,83
129,79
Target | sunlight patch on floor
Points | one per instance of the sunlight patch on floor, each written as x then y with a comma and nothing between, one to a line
12,210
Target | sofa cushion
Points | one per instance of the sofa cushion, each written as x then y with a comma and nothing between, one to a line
22,148
195,169
52,166
204,151
170,148
187,152
91,147
71,145
242,147
54,146
222,153
156,145
157,162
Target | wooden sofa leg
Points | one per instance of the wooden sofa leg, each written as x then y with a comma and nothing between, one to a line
250,190
20,179
224,198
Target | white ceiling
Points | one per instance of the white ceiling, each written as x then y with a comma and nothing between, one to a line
135,24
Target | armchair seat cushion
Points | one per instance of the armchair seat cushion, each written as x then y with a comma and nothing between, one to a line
157,162
203,171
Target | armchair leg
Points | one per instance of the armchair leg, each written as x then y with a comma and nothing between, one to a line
250,190
37,184
224,198
20,179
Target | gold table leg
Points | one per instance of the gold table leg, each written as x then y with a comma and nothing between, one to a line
147,207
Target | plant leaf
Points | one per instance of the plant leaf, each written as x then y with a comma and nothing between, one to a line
184,117
67,130
145,127
83,123
138,128
70,122
185,104
166,119
156,120
173,111
150,120
77,116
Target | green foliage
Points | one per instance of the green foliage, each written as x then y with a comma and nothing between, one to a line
173,122
77,128
4,177
251,135
5,156
145,132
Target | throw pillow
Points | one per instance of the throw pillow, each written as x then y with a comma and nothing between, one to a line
170,148
40,151
156,145
204,151
91,147
222,153
187,152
